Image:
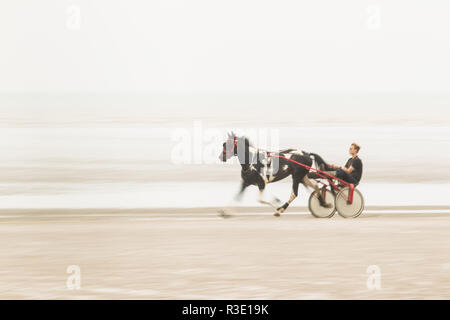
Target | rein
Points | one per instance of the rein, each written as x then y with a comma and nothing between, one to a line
320,173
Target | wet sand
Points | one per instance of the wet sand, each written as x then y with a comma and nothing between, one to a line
194,254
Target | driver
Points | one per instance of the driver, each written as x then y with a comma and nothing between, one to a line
352,170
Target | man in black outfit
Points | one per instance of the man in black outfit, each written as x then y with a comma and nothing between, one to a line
352,171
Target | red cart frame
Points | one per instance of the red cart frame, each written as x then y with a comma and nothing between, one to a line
326,176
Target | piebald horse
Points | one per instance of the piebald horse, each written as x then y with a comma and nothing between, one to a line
260,167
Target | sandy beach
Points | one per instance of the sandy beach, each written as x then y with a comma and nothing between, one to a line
99,188
195,254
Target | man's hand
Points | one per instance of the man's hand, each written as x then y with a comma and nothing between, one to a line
348,170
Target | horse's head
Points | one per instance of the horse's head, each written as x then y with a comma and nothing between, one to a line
229,147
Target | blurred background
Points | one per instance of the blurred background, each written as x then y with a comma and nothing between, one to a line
92,94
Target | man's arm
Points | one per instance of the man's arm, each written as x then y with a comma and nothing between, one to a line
348,170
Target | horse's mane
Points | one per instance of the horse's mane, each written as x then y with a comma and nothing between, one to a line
246,140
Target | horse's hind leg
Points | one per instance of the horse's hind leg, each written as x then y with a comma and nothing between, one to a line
308,183
294,194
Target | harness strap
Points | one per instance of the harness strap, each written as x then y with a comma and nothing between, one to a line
320,173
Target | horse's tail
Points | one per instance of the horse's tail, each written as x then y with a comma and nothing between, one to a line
320,163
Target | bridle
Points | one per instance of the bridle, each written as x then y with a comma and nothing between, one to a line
234,147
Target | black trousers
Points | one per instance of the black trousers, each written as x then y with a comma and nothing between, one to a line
344,175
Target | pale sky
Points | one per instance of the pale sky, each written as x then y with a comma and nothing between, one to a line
225,46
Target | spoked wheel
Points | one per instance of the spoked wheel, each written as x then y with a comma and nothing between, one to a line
317,210
347,210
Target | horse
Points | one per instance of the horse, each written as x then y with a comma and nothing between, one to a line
259,169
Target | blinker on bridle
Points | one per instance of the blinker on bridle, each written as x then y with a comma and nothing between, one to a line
234,148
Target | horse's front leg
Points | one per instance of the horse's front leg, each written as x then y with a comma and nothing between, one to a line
272,203
226,212
262,187
238,196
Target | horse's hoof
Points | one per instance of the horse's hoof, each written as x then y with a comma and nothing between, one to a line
278,212
223,214
280,209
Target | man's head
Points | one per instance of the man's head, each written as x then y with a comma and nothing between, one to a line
354,149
